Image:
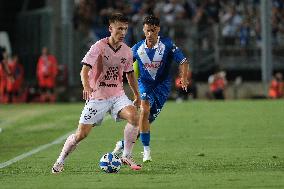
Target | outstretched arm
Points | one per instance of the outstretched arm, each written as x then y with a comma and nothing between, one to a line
87,90
184,68
134,87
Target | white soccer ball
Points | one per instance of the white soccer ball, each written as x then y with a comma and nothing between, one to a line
110,163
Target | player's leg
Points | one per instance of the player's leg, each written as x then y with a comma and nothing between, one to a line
70,145
92,114
124,109
144,127
131,129
150,107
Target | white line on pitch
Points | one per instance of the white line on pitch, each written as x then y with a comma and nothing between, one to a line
34,151
38,149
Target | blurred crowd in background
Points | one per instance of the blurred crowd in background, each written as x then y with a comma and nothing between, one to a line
239,20
234,26
12,86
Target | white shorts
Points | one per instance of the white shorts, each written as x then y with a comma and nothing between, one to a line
95,110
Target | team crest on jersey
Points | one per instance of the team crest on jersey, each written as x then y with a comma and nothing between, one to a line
160,50
123,60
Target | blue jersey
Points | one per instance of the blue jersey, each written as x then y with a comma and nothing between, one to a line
154,66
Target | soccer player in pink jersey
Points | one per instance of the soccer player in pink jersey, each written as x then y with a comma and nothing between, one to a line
102,75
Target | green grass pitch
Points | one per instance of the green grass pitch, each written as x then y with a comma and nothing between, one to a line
197,144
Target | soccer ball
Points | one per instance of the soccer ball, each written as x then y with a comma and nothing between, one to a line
110,163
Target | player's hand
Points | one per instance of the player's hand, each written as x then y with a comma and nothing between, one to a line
184,83
87,92
137,101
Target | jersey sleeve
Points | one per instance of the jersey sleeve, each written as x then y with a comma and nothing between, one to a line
92,55
128,65
177,53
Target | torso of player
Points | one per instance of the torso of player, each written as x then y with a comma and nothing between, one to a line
106,76
154,63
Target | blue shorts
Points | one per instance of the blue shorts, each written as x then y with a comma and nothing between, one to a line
156,94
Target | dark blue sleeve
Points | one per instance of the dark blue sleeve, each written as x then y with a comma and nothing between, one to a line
177,53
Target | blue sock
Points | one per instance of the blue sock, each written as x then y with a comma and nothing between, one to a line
145,138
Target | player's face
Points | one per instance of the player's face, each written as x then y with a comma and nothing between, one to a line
151,33
118,30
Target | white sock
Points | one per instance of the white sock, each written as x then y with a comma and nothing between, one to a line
69,146
146,148
130,135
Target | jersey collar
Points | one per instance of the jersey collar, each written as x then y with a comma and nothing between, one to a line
111,47
155,46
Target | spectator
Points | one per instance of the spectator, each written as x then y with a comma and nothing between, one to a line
244,35
5,73
173,11
217,85
14,86
46,73
83,15
276,86
184,94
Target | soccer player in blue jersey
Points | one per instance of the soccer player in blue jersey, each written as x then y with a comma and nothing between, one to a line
154,56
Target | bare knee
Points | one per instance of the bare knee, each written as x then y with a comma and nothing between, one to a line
130,114
144,110
82,132
133,117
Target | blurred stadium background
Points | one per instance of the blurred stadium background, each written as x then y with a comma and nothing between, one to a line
196,144
244,38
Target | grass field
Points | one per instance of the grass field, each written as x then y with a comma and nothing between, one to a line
200,144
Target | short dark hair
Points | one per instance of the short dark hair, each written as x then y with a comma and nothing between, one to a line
117,17
151,20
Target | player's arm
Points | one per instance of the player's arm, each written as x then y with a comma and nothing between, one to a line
184,69
87,90
183,66
132,81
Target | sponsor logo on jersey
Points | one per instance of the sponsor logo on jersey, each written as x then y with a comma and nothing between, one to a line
104,84
152,65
